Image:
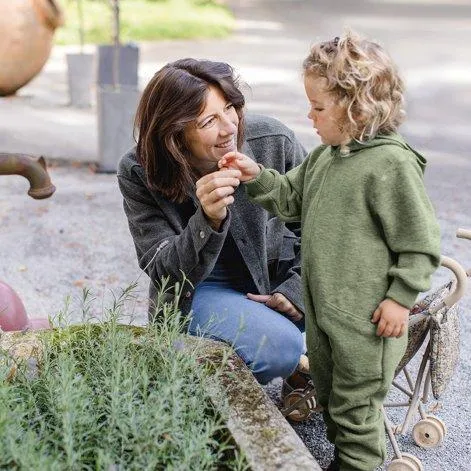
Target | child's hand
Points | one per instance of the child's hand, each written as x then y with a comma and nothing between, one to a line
392,317
240,162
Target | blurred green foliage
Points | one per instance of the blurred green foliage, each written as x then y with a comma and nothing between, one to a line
146,20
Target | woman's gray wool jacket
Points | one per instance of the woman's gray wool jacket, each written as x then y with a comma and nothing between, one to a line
169,243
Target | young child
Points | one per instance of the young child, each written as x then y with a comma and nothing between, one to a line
370,239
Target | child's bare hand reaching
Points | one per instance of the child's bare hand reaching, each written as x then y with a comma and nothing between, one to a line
391,317
240,162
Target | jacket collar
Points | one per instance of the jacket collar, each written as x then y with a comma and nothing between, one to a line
355,146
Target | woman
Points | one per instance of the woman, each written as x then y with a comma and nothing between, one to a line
192,223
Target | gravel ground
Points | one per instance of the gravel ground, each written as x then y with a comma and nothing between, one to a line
54,248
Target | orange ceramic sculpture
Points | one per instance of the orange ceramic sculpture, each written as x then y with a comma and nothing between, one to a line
27,28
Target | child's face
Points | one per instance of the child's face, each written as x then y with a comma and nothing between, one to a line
324,113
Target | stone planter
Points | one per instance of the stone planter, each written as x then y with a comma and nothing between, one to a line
116,108
261,432
80,75
27,28
254,422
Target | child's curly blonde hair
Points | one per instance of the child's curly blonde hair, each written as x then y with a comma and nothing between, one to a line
363,80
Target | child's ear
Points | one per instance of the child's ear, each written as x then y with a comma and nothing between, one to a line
357,114
360,118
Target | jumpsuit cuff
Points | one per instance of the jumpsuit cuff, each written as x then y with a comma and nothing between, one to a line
264,181
402,293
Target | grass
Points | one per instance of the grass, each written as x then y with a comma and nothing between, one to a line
104,396
146,20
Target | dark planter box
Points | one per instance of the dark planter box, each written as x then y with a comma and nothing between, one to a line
128,65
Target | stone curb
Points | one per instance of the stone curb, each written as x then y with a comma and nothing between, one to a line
258,427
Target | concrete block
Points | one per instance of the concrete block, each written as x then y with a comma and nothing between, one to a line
261,432
128,65
116,109
80,77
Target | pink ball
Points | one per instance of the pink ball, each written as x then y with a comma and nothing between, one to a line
12,311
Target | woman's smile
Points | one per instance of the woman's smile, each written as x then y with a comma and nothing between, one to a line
229,143
214,132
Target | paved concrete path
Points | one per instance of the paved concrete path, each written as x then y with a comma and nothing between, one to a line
79,237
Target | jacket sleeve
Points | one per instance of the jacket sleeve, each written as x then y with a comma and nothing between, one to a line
411,230
279,194
161,250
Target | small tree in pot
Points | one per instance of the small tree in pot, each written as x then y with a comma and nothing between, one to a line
80,68
127,64
117,97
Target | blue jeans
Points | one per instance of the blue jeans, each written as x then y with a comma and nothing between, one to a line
268,342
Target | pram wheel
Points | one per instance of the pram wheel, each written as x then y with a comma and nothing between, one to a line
429,432
439,422
407,462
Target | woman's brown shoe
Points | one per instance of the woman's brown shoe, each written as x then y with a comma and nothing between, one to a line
298,396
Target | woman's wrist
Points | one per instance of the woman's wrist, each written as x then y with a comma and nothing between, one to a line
215,224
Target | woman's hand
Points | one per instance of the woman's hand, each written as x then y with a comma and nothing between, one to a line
279,302
246,165
214,191
392,319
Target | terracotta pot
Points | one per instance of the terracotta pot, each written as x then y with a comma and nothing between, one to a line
27,28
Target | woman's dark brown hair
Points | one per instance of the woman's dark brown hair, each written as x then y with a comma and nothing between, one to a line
172,100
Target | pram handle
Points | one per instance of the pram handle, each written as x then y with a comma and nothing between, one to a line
464,233
461,281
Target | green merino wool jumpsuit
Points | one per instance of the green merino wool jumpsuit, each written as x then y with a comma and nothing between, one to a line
369,232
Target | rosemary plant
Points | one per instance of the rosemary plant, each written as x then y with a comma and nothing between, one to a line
108,396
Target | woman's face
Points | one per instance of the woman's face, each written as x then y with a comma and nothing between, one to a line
213,133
